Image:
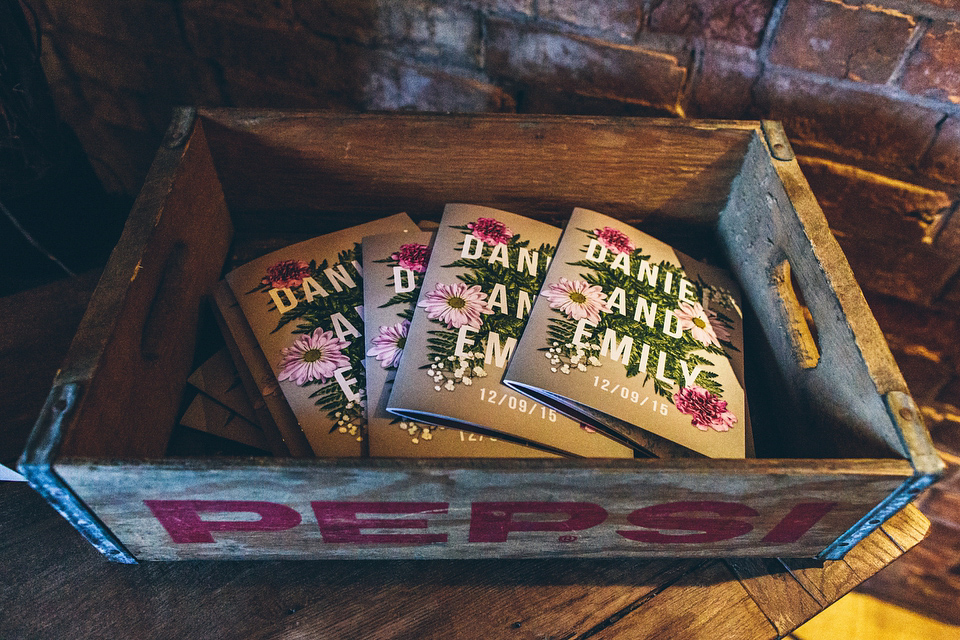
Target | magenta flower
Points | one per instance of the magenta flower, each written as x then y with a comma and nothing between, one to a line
576,299
286,273
388,345
412,256
701,323
613,239
314,356
456,305
491,231
707,410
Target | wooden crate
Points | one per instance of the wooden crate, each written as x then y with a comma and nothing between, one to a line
841,443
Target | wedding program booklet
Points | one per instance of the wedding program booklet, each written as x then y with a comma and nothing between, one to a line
484,273
637,340
393,268
303,305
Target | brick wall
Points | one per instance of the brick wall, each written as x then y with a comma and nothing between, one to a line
868,92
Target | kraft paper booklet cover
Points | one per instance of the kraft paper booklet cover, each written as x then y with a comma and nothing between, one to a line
485,270
635,338
393,268
304,305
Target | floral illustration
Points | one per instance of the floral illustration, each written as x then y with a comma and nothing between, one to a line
388,344
412,256
702,324
614,240
467,302
707,410
456,305
568,357
317,351
419,432
491,231
702,332
447,372
286,273
576,299
314,356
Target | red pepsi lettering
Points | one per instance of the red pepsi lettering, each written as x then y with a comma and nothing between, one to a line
800,520
665,517
493,521
181,518
338,521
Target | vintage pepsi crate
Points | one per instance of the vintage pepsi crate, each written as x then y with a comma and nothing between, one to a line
840,443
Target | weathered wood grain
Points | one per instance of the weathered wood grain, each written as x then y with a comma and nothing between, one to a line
327,164
827,583
707,603
760,493
783,599
134,346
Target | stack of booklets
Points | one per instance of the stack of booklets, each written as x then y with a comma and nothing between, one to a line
494,336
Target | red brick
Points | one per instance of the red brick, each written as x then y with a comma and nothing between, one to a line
430,28
541,99
619,17
151,25
867,205
169,77
932,69
925,377
526,7
563,62
906,325
396,84
723,85
245,89
950,393
852,123
916,273
285,55
739,22
942,160
862,43
420,27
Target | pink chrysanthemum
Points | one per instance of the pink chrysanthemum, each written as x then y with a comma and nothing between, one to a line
707,410
314,356
388,345
613,239
491,231
576,299
286,273
456,305
412,256
702,324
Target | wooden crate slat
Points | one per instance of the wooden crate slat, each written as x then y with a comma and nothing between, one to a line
781,597
724,609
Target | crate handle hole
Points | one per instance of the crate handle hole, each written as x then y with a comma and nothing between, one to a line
802,329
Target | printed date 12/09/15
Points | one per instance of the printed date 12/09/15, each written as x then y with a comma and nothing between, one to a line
632,395
517,403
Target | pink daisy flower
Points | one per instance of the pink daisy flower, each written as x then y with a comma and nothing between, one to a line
388,345
707,410
613,239
286,273
577,299
701,323
314,356
491,231
456,305
412,256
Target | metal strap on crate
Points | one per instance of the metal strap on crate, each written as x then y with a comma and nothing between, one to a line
35,465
